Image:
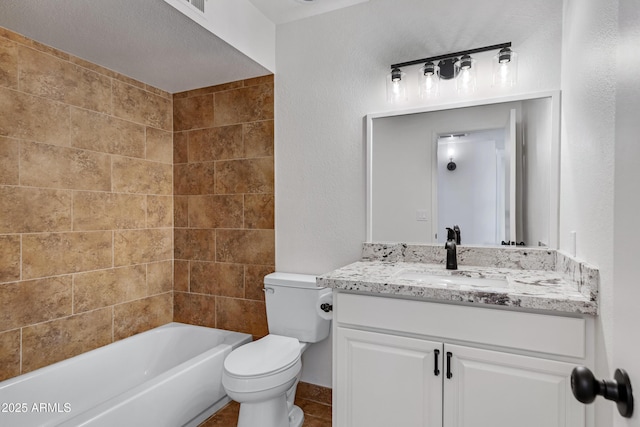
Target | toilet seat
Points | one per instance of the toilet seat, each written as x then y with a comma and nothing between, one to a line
263,364
264,357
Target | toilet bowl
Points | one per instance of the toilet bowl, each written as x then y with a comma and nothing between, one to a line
263,375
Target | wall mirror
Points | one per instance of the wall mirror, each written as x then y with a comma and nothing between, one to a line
490,167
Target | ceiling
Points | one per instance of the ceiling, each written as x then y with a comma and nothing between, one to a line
148,40
281,11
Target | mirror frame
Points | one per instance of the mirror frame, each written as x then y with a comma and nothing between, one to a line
554,178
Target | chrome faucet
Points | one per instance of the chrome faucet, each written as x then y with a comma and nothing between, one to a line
450,246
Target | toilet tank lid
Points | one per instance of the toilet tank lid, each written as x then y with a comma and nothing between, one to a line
293,280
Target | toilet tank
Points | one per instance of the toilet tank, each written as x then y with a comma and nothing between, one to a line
291,301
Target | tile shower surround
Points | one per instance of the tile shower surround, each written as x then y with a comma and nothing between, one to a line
94,209
224,204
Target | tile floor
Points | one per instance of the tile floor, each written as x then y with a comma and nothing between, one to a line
313,400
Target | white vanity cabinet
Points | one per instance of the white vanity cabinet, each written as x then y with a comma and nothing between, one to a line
400,362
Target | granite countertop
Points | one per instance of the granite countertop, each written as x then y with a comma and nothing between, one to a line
531,289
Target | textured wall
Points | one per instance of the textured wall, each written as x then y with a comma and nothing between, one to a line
224,204
85,206
588,144
331,72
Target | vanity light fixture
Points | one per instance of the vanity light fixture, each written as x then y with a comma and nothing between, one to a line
429,81
459,66
505,68
396,86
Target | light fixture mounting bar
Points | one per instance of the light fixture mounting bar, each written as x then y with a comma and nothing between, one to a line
451,55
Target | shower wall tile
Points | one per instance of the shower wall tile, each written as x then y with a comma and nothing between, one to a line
209,90
224,204
9,354
50,342
9,258
180,147
9,154
248,104
254,280
217,211
139,106
30,210
195,309
141,315
194,178
244,176
106,134
51,254
159,144
268,79
108,211
181,276
86,205
98,289
242,315
34,301
142,246
159,277
159,211
259,211
245,246
141,176
258,139
181,211
195,112
195,244
44,165
50,77
25,41
207,145
36,119
8,63
217,279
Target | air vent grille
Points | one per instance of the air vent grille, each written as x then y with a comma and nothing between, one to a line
198,4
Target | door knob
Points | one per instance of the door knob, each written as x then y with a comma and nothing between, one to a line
586,387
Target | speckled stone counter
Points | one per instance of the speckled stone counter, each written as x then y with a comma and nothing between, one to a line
539,279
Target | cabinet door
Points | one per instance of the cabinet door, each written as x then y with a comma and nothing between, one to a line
489,388
385,380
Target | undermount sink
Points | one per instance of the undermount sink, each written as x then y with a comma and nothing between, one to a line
452,280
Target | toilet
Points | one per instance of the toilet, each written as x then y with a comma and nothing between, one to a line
263,375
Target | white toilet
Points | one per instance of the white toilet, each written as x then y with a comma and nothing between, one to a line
262,375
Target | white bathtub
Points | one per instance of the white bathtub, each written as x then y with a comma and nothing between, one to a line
169,376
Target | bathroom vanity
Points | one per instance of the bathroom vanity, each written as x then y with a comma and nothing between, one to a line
490,344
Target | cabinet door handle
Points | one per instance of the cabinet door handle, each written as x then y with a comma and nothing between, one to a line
436,356
449,355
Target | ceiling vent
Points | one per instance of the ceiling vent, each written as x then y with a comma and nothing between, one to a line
198,4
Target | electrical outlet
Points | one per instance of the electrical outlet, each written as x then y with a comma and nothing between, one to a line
422,215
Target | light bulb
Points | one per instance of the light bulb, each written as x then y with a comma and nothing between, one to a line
396,86
505,68
428,81
466,75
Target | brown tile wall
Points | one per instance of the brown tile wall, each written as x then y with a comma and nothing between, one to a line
224,204
86,206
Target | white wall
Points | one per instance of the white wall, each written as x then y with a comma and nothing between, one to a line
587,157
401,163
627,201
331,71
535,187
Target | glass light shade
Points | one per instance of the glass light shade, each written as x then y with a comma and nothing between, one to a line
505,68
396,86
428,81
466,75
